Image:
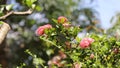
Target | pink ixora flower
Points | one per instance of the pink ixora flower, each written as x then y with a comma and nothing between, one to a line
86,42
77,65
67,25
41,29
91,56
62,19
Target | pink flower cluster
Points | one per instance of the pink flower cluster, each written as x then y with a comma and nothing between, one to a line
77,65
85,43
91,56
62,19
57,60
41,29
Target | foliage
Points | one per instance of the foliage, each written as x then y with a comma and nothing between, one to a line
62,48
115,29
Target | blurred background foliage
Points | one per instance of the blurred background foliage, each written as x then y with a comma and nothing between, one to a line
115,29
22,36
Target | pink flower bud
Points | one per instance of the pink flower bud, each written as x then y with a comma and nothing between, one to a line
90,40
115,50
62,55
86,42
77,65
67,25
56,59
62,19
92,56
47,26
41,29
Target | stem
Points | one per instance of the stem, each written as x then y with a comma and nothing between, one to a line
37,66
96,56
44,39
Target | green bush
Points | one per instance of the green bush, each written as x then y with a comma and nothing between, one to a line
61,47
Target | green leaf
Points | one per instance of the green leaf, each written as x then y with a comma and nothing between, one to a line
33,6
1,9
104,48
49,52
1,22
29,52
38,8
54,20
9,7
38,61
77,39
30,2
118,43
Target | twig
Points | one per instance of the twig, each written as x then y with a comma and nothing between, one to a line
22,13
8,14
16,13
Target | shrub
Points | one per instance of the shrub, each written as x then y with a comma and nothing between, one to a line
65,49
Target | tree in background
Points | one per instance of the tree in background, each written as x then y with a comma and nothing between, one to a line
114,30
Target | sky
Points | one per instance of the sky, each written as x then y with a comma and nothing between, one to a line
107,9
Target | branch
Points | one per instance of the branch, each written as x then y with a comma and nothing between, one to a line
22,13
16,13
3,31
